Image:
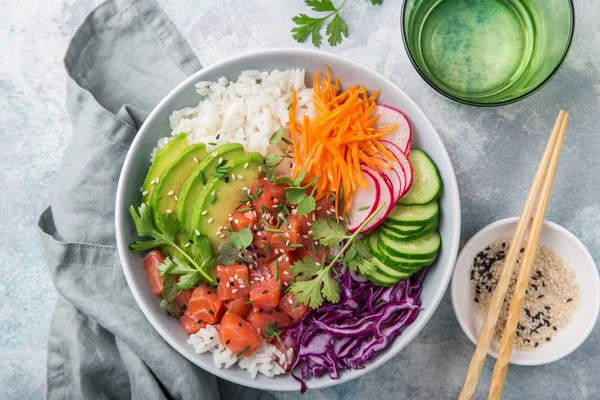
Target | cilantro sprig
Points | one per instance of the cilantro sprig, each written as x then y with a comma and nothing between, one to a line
313,281
336,28
192,269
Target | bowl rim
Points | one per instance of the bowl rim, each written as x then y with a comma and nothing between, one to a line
459,312
495,104
121,214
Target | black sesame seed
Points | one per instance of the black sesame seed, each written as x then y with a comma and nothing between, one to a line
231,283
277,309
260,310
211,312
536,344
270,312
476,300
540,296
569,299
211,338
226,179
547,307
547,339
227,342
240,324
264,238
520,251
539,273
184,307
199,321
554,328
209,292
218,136
265,291
218,280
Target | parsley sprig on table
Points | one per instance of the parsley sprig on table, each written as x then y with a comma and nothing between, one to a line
314,281
311,26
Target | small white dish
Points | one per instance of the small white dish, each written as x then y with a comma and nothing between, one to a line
572,251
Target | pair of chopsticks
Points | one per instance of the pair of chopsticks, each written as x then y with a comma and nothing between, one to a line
539,193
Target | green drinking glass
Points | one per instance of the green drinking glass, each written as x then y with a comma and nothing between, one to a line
487,52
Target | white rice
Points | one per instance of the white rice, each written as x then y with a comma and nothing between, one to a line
247,111
267,360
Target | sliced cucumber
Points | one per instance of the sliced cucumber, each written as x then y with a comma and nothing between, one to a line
413,215
422,249
404,229
381,279
426,185
396,234
403,264
391,272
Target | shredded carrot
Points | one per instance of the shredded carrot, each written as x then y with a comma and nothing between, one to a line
343,135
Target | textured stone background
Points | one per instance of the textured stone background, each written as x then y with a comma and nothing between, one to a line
494,153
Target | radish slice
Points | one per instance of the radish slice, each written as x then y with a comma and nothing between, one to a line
403,161
364,201
389,197
401,137
396,180
386,195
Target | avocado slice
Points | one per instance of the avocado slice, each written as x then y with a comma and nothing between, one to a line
193,185
162,160
166,194
221,196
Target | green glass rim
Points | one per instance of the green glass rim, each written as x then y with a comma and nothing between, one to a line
501,103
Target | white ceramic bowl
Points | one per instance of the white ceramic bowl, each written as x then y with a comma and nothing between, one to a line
350,72
564,244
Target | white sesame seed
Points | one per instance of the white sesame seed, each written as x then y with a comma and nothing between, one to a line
222,236
275,200
310,232
318,264
210,220
290,226
259,169
196,160
145,192
214,154
197,232
287,242
220,160
246,165
234,290
169,211
245,188
157,180
237,221
316,243
290,299
204,212
249,191
176,198
287,235
213,193
240,176
242,286
287,259
235,276
171,193
187,244
305,236
233,177
328,212
287,273
230,219
309,223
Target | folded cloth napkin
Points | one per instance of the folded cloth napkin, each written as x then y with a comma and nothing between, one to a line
124,58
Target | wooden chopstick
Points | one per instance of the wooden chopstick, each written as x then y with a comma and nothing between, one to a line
518,298
486,333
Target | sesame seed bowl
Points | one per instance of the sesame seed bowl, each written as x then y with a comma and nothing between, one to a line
578,313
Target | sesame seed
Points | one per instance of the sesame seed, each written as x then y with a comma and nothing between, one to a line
176,198
230,219
169,211
259,169
234,290
214,154
145,192
196,160
220,160
240,176
237,221
222,236
204,212
187,244
197,232
210,220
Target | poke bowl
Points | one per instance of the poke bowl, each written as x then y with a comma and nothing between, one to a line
287,209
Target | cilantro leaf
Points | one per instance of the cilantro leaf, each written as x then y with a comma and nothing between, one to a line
320,5
188,281
165,235
328,232
335,30
169,289
331,288
308,292
172,308
305,268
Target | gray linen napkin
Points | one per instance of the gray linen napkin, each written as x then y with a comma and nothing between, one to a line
123,59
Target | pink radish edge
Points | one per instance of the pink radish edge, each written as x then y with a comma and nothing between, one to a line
403,161
386,196
364,197
402,137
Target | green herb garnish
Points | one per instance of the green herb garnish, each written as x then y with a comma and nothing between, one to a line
313,280
234,250
245,349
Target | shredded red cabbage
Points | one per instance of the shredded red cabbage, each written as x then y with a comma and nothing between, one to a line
346,335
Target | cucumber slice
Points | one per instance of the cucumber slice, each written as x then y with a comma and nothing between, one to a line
394,234
426,185
404,229
381,279
391,272
403,264
423,248
374,245
413,215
